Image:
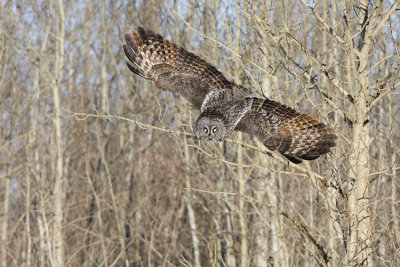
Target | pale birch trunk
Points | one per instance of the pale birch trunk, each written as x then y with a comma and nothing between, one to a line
394,178
262,250
244,260
5,187
191,214
4,221
332,195
229,249
127,188
359,245
224,185
58,241
28,204
242,209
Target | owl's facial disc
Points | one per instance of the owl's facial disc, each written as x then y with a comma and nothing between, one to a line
210,131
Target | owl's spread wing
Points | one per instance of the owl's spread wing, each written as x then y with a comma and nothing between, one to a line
296,136
172,68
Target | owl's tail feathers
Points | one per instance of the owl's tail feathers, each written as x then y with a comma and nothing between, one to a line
307,143
149,54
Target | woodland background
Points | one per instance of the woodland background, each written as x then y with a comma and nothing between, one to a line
99,168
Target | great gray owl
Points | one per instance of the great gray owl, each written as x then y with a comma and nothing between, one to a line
225,106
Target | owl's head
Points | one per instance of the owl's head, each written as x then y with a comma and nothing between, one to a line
209,130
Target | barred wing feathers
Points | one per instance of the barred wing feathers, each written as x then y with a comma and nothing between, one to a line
296,136
172,68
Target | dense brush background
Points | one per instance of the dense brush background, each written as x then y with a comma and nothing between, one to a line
81,190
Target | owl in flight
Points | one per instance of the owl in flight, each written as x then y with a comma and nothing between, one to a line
225,106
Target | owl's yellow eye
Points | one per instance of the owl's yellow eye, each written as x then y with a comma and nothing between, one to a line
205,130
215,130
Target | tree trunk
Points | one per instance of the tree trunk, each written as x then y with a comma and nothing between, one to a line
191,214
58,241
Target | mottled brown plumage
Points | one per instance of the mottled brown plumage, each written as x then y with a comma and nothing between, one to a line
224,105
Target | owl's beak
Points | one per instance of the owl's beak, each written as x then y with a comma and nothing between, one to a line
209,137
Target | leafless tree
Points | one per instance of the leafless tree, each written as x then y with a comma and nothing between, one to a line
99,168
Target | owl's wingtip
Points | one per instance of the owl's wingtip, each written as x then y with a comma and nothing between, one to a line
292,159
